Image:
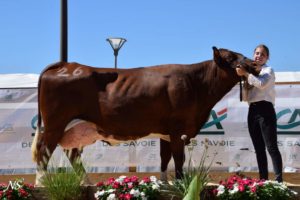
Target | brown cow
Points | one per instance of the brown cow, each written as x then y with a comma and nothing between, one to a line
128,104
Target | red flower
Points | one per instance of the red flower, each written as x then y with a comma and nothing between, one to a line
9,196
116,185
23,193
215,191
8,192
100,184
222,182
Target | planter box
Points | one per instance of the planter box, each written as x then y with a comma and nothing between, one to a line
40,193
89,191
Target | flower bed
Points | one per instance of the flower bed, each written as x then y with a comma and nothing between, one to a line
128,188
236,187
16,190
240,187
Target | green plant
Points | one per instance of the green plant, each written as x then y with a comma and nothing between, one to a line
16,190
194,178
64,183
240,187
128,188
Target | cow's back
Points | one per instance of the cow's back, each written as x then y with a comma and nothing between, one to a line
70,90
147,100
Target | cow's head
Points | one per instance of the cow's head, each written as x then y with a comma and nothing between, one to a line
230,60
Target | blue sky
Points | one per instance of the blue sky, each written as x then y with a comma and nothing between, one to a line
158,32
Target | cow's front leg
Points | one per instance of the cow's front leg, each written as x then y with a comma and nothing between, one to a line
177,148
165,156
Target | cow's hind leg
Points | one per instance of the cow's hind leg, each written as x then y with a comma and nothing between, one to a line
165,156
44,153
74,156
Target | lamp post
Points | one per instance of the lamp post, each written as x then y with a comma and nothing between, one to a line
64,31
116,44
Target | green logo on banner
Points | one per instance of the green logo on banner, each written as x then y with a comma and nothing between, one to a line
292,122
216,121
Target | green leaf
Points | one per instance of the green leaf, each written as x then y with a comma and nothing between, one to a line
194,189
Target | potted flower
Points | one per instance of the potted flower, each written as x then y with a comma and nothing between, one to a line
16,190
128,188
240,187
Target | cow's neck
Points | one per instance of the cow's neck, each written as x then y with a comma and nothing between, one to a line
220,82
224,82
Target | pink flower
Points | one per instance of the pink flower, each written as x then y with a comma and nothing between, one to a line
134,179
127,196
246,182
130,186
260,183
241,188
127,180
146,180
253,189
234,178
111,180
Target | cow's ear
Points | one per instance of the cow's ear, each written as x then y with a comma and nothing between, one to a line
217,56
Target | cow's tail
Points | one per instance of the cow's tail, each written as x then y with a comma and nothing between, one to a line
34,144
38,135
38,128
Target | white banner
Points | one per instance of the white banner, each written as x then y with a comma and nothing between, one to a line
226,133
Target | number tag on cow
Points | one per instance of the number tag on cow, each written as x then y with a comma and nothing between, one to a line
64,72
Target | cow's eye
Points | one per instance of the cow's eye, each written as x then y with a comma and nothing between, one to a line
229,59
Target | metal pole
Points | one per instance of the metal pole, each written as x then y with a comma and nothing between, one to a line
64,31
116,57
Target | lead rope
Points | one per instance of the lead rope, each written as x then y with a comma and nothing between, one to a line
241,90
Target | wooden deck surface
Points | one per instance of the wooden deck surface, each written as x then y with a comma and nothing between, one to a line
292,179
